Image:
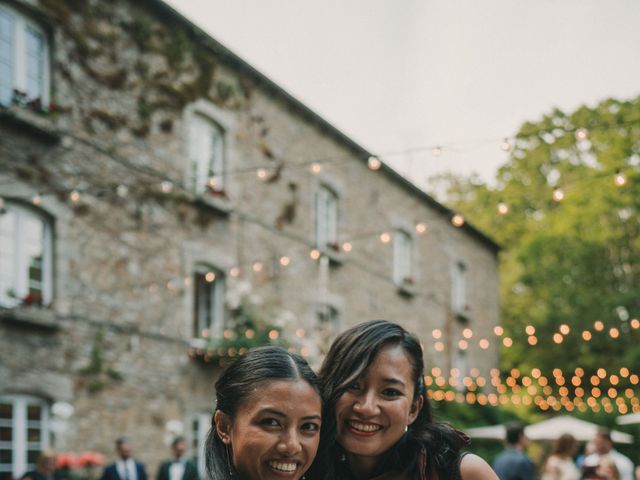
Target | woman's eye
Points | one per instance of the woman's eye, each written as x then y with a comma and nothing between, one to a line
392,392
310,427
269,422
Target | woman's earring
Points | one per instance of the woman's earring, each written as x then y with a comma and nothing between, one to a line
229,461
406,428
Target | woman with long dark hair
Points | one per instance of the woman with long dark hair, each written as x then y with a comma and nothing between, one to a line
377,412
267,418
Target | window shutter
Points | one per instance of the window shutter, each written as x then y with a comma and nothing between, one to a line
7,46
34,63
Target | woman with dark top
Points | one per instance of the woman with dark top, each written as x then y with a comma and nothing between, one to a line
377,412
267,418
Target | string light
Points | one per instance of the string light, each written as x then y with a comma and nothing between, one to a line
36,199
436,333
314,254
421,228
261,173
347,247
558,195
257,267
374,163
598,325
213,182
234,272
385,237
285,261
505,145
457,220
564,329
619,179
210,277
503,208
74,196
436,151
498,330
582,134
316,168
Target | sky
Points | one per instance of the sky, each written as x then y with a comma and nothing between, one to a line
404,76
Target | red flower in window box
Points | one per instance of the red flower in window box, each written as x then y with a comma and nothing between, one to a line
216,191
90,459
33,298
66,460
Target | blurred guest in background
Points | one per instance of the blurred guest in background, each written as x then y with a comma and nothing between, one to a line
513,463
125,468
560,465
45,467
604,446
179,467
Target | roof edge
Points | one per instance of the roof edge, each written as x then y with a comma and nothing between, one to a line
358,149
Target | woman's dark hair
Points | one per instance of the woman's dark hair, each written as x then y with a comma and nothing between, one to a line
565,445
238,384
347,360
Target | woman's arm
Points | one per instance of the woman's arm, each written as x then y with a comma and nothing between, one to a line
472,467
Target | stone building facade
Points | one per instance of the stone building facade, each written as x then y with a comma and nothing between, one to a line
150,182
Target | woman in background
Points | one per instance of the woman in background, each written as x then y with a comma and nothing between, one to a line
560,465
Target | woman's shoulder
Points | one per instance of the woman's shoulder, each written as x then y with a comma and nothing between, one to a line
473,467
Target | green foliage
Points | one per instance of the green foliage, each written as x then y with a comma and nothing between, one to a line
247,329
570,262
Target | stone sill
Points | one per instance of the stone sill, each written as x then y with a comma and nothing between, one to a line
407,290
219,204
23,118
33,318
336,258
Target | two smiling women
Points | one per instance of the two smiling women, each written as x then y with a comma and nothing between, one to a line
376,421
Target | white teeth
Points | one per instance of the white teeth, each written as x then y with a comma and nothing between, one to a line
365,427
283,467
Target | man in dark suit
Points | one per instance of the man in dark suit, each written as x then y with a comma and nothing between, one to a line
125,468
179,467
513,463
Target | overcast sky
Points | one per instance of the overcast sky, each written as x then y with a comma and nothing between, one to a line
398,75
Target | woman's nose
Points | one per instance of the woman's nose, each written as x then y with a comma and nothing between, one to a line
366,404
289,444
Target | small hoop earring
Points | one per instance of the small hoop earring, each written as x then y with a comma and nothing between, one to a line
406,428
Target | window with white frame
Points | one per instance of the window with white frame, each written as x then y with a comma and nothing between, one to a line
209,309
327,325
402,258
25,256
326,218
206,154
24,433
24,57
459,288
200,424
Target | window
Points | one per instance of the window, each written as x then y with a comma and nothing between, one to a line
459,288
326,218
200,424
402,258
24,432
25,256
207,155
24,57
208,303
328,323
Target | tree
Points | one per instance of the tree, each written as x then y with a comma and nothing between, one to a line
571,241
